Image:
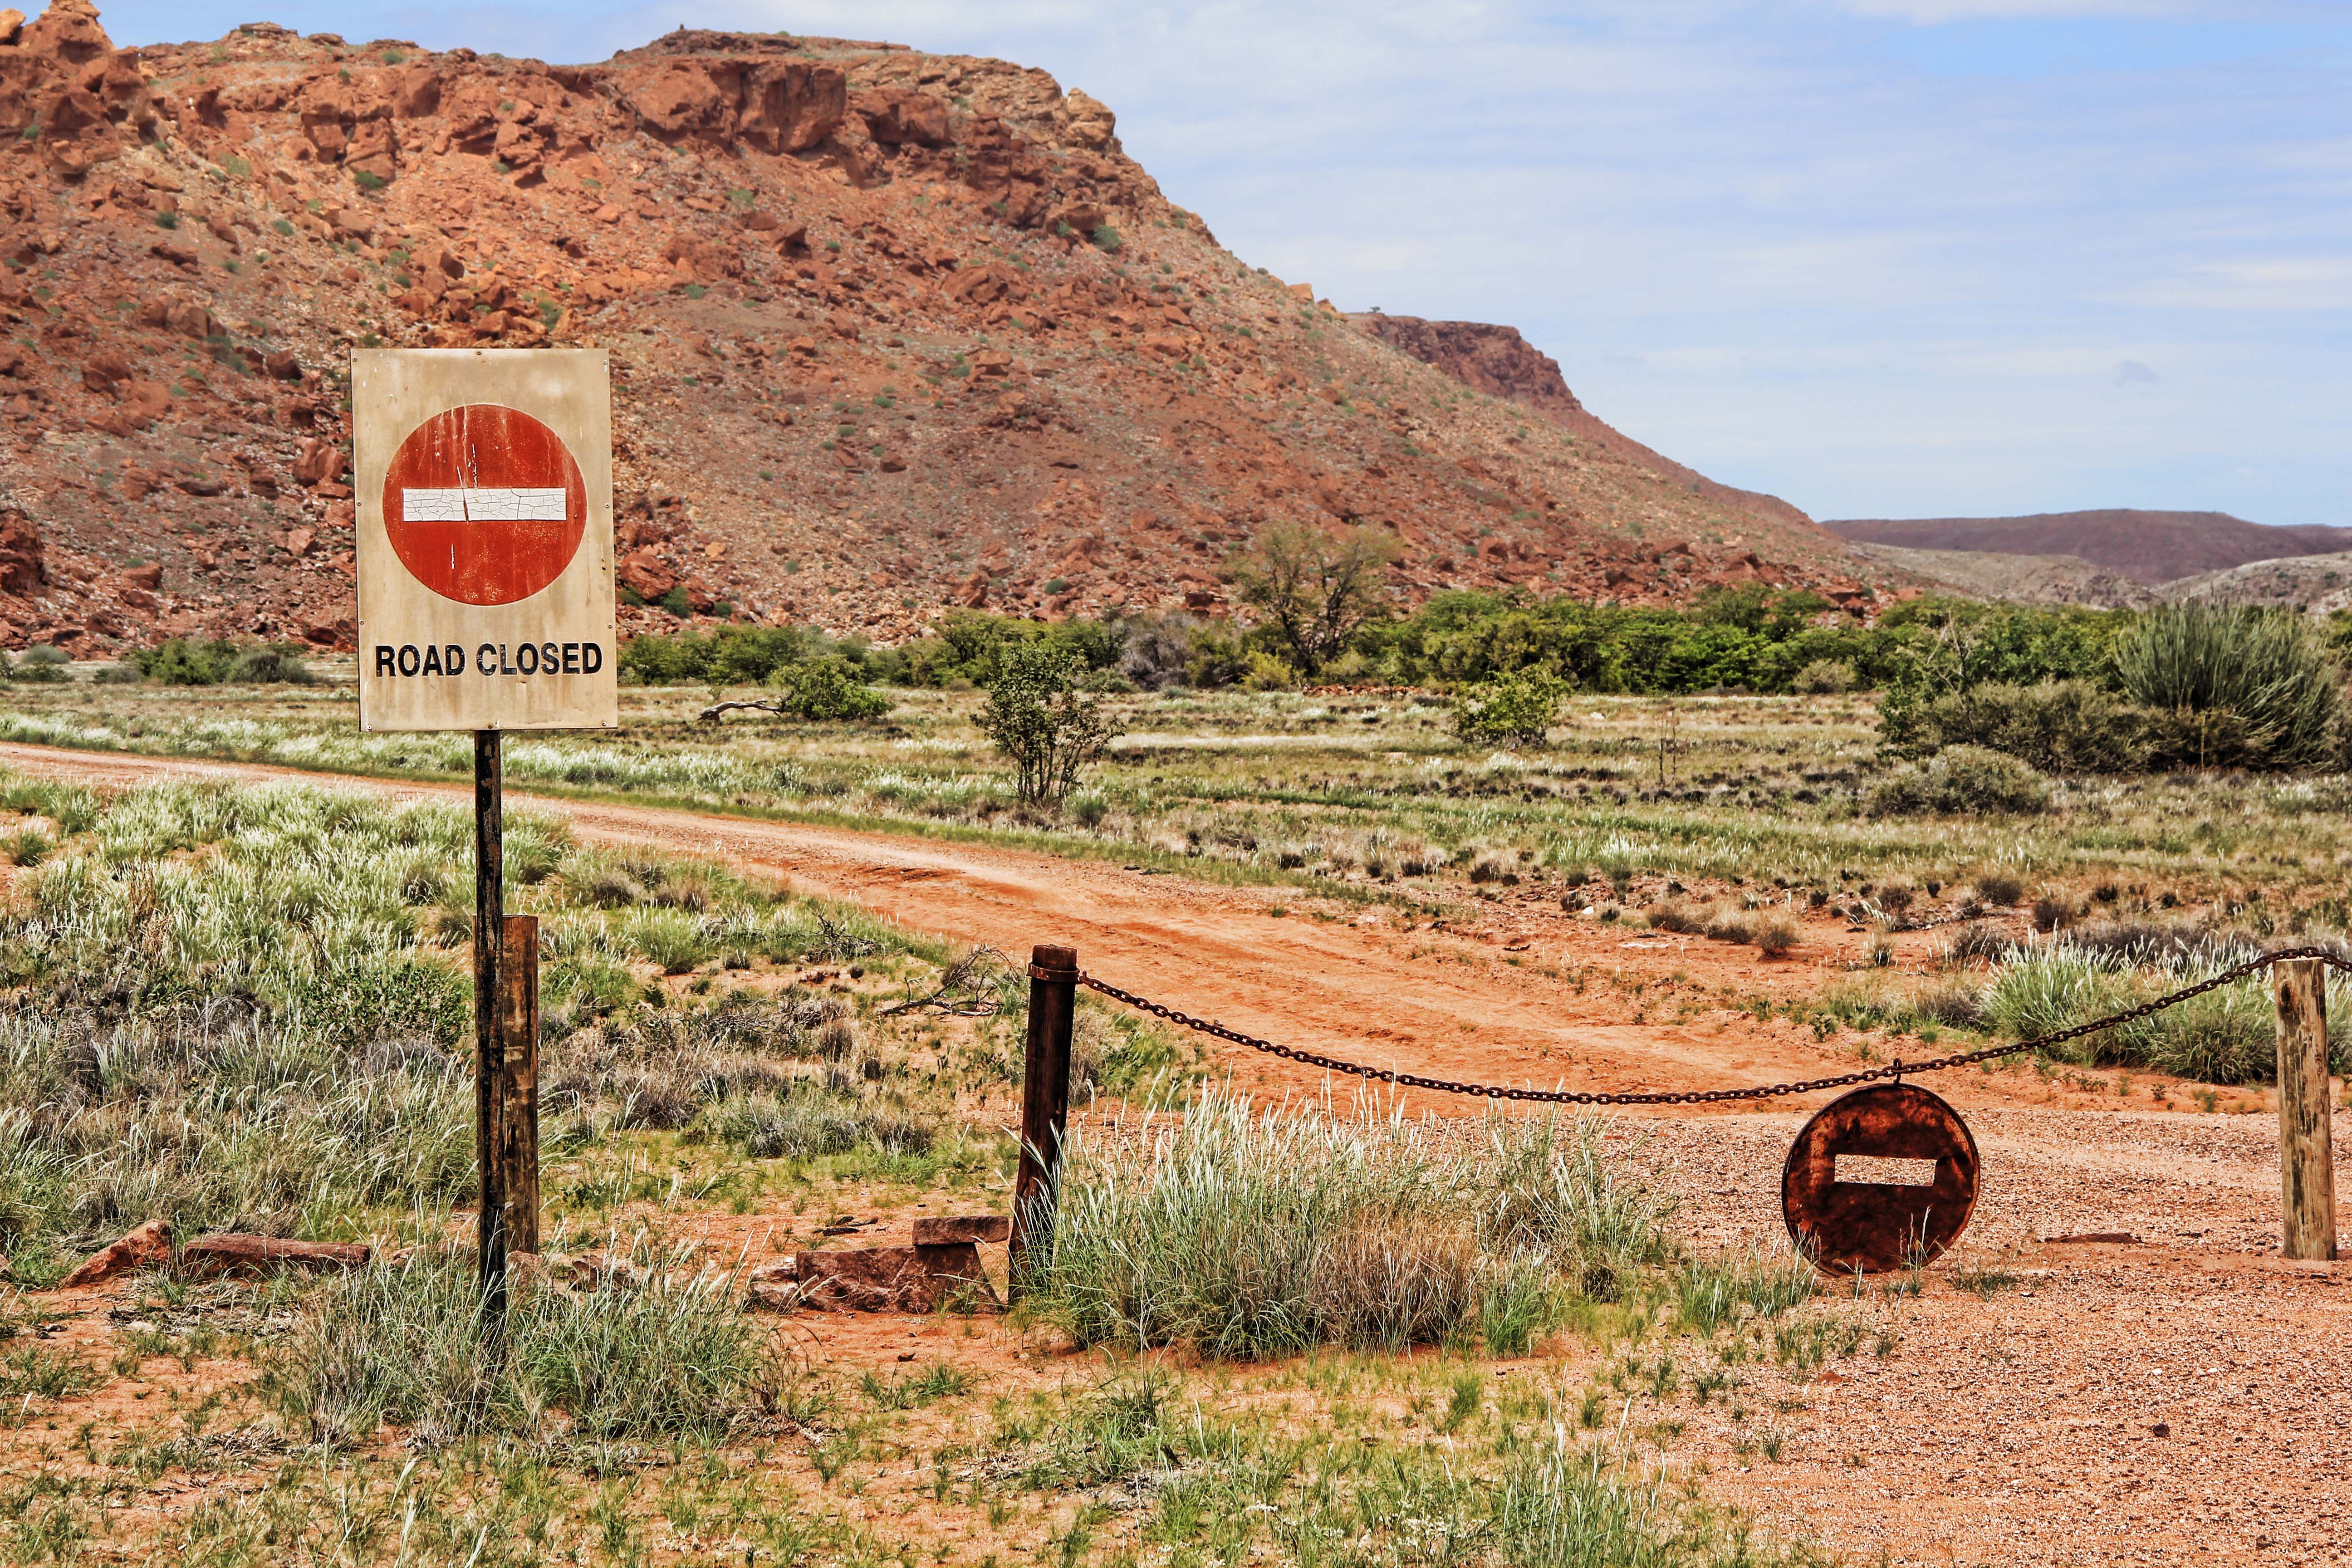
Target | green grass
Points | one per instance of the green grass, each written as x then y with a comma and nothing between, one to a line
1283,788
241,1007
1250,1233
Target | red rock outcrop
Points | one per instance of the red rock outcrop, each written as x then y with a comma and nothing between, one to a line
891,332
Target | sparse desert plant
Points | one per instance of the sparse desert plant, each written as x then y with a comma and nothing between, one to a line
1727,923
1710,1289
1775,935
2055,726
2000,889
1955,1002
1977,939
1958,780
1669,916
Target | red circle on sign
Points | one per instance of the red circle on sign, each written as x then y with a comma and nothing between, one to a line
484,505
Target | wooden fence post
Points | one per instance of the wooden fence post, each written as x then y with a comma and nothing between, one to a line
1045,1102
2306,1159
514,1138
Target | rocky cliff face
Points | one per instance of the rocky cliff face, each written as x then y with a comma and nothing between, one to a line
891,332
1493,360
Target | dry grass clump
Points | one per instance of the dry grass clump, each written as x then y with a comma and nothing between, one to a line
1250,1233
1725,924
1977,939
1775,935
665,1356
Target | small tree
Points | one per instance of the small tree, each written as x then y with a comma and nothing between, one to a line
1316,591
1037,716
1512,709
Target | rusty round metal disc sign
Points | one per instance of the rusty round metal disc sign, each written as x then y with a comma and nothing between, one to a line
1880,1179
484,505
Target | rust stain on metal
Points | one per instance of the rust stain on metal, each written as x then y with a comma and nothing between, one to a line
1875,1227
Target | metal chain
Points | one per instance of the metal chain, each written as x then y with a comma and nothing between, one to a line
1896,1069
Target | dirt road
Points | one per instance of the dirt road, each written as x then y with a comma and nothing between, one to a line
1458,1003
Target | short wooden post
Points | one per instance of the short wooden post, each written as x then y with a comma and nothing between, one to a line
514,1140
2306,1159
1044,1103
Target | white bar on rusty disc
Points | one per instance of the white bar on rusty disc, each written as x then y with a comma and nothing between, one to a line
482,505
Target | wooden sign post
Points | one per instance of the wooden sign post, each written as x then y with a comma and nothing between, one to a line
484,486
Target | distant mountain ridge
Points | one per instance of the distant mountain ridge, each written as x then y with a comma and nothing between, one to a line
2149,547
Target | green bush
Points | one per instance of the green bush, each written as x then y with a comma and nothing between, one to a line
2056,726
827,688
1959,780
2270,670
1513,710
1825,677
972,645
188,661
270,664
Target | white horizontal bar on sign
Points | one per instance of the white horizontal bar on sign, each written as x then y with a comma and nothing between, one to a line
482,505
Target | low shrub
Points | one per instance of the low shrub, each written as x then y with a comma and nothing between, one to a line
1512,709
1961,780
1977,939
1776,936
1730,924
2000,889
2057,726
1825,678
827,688
188,661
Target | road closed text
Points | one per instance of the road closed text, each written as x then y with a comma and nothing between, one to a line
489,658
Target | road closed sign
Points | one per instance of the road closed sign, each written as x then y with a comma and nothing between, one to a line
485,489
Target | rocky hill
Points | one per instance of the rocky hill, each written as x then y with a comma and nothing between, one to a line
891,332
2318,584
2149,547
2017,579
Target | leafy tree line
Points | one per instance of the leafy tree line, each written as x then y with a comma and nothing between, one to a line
2062,690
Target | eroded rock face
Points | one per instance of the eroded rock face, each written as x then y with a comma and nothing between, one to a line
66,91
1494,360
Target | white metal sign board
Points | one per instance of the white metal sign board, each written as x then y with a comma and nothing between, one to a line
485,481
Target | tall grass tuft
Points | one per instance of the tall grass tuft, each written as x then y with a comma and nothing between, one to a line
668,1357
1250,1233
2268,670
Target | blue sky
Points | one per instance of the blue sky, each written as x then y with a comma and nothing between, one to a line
1884,257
